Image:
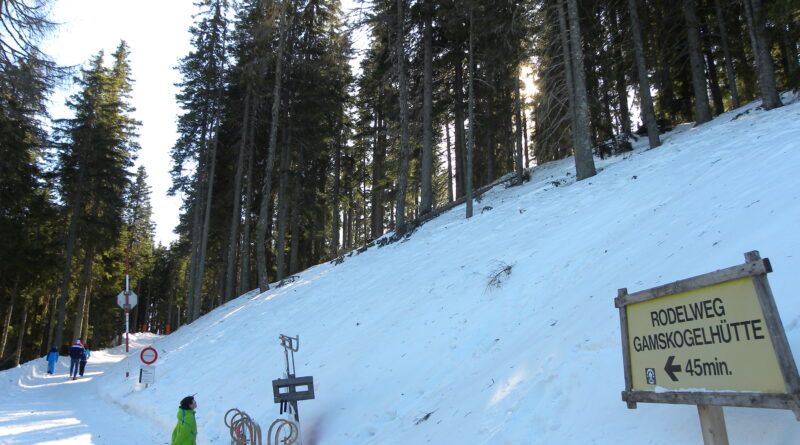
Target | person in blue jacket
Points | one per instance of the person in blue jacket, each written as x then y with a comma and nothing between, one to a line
52,359
84,359
75,355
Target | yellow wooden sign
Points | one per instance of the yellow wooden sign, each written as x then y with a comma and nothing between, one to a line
711,339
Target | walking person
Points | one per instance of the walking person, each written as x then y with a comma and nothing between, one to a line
84,359
52,359
185,432
75,354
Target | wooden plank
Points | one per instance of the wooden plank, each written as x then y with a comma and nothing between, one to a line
741,399
712,423
626,353
777,334
746,270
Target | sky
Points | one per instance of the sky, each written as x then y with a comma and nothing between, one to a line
157,33
497,329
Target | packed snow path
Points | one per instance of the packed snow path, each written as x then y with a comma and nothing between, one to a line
39,408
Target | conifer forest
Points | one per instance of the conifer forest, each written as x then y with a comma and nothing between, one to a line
296,147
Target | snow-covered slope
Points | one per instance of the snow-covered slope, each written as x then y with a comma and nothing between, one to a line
415,342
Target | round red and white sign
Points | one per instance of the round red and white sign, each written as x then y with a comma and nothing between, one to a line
148,356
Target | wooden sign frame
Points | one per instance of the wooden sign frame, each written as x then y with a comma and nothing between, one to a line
292,385
755,268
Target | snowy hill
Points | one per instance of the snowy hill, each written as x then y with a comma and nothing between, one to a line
500,329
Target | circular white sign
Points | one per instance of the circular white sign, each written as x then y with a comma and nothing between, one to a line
148,356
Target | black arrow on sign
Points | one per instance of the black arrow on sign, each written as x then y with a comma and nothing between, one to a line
672,369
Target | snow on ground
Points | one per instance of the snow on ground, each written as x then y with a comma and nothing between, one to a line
38,408
412,343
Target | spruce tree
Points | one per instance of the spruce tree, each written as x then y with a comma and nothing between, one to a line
201,95
95,150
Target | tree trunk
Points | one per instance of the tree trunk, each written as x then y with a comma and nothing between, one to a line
266,196
379,154
471,135
280,240
568,68
645,99
788,49
337,184
525,137
71,240
52,325
489,143
508,136
21,335
713,82
426,169
85,324
170,304
666,91
702,110
730,74
245,247
7,321
42,311
236,212
449,163
458,131
194,252
518,115
606,109
201,263
347,227
788,44
134,314
620,69
197,220
364,213
761,52
402,180
584,162
77,326
294,245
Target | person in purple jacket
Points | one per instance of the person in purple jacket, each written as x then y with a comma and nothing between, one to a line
52,359
76,353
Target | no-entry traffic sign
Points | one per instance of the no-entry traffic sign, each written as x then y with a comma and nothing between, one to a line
148,356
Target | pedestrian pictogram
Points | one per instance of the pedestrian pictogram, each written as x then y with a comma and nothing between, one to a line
651,376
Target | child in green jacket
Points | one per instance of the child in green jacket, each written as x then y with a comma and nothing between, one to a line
185,432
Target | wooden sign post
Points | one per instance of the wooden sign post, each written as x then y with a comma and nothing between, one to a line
712,340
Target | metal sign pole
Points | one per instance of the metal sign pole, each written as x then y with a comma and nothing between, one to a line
127,302
292,389
127,308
